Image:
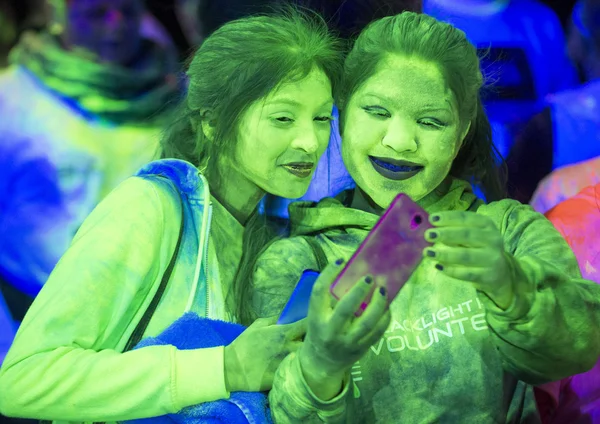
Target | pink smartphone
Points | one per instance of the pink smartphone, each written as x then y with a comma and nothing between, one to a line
390,253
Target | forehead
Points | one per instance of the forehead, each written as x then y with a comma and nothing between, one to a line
400,77
315,87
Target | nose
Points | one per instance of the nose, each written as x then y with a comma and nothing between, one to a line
401,136
307,141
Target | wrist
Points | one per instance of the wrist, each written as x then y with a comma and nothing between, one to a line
325,385
503,298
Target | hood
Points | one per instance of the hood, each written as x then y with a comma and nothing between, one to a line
331,213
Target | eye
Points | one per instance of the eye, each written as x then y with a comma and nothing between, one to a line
324,118
377,111
284,120
432,123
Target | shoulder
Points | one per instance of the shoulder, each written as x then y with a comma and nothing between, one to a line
523,229
581,210
135,203
183,175
277,272
17,86
508,214
287,253
577,98
282,263
9,76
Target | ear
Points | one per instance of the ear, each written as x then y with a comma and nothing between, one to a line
208,123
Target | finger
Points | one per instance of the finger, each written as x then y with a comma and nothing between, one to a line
480,277
295,330
344,311
461,219
320,297
369,319
464,236
464,256
378,331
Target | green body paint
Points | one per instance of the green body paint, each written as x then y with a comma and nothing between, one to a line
290,125
405,111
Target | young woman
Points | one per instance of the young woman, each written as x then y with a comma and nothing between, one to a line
255,120
496,305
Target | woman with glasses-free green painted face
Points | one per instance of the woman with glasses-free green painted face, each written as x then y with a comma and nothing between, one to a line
255,119
402,131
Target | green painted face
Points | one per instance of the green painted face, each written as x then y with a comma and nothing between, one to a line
405,112
283,136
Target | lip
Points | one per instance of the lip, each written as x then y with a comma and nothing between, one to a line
392,175
299,169
396,161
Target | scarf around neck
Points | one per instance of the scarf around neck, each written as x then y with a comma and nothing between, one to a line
135,95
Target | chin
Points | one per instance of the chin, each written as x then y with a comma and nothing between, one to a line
383,196
290,192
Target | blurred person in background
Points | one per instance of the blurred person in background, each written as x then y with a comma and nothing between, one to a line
522,46
88,95
576,399
8,31
565,183
567,131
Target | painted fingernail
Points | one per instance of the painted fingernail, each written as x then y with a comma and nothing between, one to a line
382,291
339,262
439,267
435,218
431,253
432,234
368,280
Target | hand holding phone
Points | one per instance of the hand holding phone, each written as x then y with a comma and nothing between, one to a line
390,253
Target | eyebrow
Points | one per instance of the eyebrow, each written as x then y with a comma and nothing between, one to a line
295,103
428,106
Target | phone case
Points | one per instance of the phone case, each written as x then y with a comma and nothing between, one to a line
297,307
390,253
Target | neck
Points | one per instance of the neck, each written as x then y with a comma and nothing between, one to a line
363,202
239,196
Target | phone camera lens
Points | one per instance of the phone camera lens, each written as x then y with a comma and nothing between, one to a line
418,219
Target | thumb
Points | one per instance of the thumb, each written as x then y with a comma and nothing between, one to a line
295,330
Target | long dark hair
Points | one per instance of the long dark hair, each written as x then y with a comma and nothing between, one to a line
422,36
238,64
